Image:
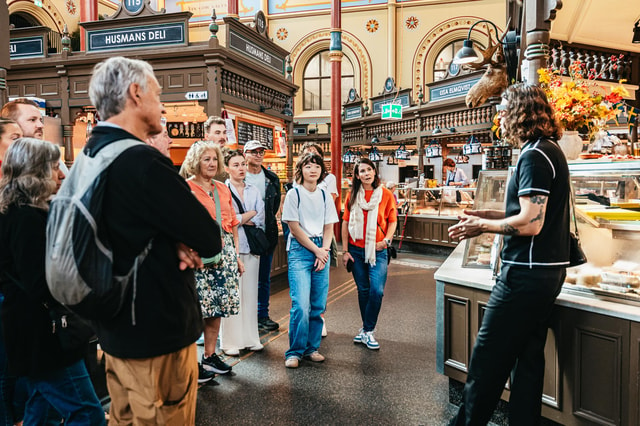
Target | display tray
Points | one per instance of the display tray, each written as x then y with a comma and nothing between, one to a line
610,293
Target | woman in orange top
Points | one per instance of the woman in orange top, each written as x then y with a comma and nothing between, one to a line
217,282
368,224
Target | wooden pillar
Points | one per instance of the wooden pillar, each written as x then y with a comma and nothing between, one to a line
4,51
539,14
65,113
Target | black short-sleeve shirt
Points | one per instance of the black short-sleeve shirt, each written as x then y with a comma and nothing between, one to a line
541,170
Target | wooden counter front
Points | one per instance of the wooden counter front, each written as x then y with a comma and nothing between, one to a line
426,230
592,354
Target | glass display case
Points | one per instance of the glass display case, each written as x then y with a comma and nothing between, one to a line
607,209
442,201
481,250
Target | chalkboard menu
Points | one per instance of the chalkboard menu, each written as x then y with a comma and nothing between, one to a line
250,131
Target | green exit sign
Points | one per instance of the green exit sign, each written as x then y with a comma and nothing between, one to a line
391,112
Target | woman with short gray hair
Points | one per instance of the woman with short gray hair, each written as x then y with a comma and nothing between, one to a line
29,177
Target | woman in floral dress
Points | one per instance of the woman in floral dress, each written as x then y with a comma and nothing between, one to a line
217,282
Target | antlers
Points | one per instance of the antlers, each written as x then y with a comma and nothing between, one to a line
488,53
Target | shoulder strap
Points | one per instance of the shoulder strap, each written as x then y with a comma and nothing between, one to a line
237,200
298,194
217,201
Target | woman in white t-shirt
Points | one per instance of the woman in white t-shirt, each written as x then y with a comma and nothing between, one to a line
308,255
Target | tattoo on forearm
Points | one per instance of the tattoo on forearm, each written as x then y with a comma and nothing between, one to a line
509,230
538,199
539,217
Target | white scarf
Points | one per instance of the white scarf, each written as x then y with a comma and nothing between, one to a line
356,222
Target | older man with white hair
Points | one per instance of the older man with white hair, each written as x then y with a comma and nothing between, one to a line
151,359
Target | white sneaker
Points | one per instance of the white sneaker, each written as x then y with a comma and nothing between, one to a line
231,352
324,327
358,338
369,340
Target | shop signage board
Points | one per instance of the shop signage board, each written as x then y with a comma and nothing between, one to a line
353,112
400,100
251,131
197,96
136,37
391,112
453,90
257,53
27,47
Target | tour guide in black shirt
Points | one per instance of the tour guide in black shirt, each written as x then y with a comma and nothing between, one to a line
534,257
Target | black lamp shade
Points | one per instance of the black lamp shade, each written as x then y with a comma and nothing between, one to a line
636,32
467,54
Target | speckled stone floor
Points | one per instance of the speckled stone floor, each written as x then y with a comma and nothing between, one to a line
397,385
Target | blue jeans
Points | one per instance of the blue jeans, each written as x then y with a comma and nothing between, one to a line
264,285
70,391
308,289
370,281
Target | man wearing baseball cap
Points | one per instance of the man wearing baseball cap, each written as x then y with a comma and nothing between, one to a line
269,185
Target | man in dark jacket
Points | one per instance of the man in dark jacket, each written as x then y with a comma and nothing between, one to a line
269,185
150,347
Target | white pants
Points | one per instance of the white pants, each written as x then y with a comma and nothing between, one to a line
241,331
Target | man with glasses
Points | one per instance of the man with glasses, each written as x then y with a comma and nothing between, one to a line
269,185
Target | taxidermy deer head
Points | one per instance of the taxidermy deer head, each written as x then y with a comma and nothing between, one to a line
494,81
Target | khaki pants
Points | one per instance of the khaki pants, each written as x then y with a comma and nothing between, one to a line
153,391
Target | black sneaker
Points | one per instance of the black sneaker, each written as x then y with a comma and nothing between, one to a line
215,364
267,324
204,375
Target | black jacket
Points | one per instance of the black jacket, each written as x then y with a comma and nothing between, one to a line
271,205
145,198
32,350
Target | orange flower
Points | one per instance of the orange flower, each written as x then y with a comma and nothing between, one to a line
576,101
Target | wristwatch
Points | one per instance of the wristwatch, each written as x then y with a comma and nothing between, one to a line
387,241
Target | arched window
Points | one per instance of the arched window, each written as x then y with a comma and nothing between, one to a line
441,66
316,83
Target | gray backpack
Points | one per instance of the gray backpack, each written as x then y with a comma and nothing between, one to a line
79,259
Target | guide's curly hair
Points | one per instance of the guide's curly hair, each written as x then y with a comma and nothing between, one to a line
528,115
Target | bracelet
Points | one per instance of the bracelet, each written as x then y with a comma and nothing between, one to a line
345,252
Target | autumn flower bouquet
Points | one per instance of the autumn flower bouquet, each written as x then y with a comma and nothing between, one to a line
579,101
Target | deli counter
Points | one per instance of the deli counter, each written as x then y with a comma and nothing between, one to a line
425,214
592,373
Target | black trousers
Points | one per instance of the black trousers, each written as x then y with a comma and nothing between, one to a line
511,340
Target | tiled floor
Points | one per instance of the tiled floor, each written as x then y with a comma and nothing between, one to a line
397,385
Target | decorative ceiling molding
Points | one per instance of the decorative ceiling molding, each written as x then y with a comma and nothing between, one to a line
48,15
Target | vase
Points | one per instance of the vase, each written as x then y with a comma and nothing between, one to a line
571,144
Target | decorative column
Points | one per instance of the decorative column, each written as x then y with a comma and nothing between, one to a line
391,39
289,71
88,13
214,62
4,51
335,56
232,9
539,14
